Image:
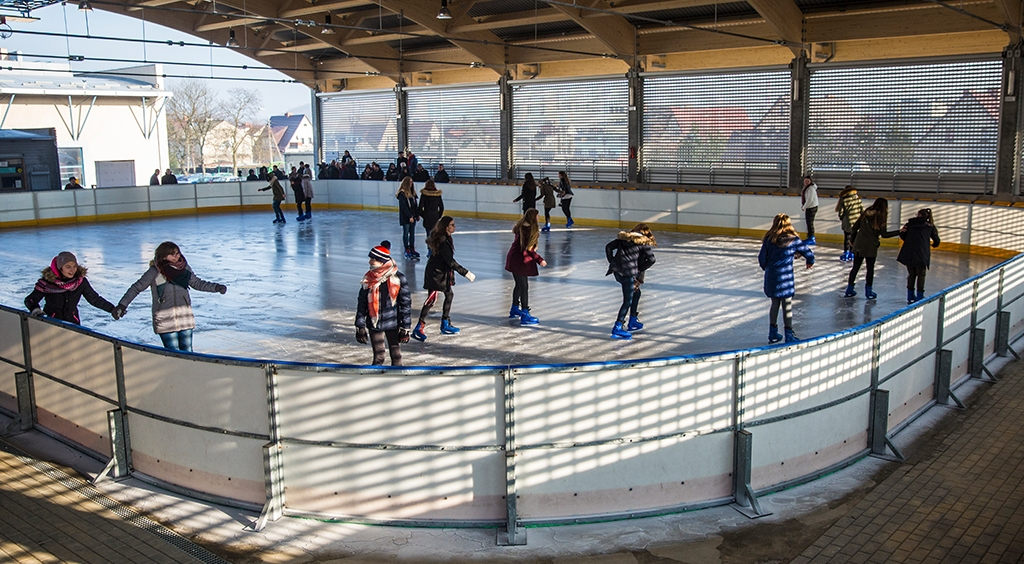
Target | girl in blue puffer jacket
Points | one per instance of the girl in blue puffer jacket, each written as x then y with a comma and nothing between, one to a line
778,249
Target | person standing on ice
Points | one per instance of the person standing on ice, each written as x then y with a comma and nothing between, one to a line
522,260
275,185
431,207
915,253
809,204
384,310
778,248
307,192
408,215
849,208
439,276
169,277
866,234
547,193
529,193
60,287
629,256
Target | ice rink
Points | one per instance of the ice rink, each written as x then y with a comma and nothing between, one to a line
292,288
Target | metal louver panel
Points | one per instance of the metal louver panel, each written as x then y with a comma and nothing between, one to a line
579,126
362,123
457,127
922,127
717,129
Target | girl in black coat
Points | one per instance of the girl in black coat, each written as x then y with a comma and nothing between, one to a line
629,256
384,306
431,207
529,194
439,276
61,286
915,253
408,215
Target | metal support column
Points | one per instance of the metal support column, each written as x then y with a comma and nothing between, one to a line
316,120
512,534
120,465
25,388
273,464
505,126
635,123
1007,142
880,426
402,117
976,362
746,501
799,109
943,372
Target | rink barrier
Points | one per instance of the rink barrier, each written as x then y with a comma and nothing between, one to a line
504,447
980,227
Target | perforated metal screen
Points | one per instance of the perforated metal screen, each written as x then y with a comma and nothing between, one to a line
578,126
457,127
722,129
920,127
362,123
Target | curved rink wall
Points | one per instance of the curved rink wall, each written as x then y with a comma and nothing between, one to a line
512,446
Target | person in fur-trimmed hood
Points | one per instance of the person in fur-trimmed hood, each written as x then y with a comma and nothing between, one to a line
384,306
60,287
629,257
169,277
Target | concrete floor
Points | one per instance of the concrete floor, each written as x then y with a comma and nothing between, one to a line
292,288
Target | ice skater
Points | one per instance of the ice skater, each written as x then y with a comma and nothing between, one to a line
408,215
866,234
915,253
60,287
275,185
629,256
809,205
522,260
431,207
565,196
307,191
169,277
295,179
384,310
439,276
528,195
778,248
849,208
547,192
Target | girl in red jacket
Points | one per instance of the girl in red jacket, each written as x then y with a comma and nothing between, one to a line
522,260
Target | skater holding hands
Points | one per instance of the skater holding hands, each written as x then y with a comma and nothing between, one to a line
778,248
849,208
915,253
866,234
275,185
384,307
169,277
60,287
522,260
439,276
629,256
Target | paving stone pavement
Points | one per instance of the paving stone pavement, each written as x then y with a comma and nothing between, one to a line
47,515
960,500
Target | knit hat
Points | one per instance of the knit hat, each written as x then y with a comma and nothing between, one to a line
381,252
63,258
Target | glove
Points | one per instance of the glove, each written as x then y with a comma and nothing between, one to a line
118,312
403,335
222,288
36,312
362,335
470,276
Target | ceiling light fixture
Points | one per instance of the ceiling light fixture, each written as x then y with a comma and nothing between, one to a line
84,6
232,42
444,13
327,30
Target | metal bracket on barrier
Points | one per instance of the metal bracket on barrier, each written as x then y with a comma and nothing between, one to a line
1003,347
746,502
273,509
976,363
880,426
512,534
118,466
943,373
26,417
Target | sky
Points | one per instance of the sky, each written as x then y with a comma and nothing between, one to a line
278,97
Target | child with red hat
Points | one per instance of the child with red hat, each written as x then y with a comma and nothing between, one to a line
384,310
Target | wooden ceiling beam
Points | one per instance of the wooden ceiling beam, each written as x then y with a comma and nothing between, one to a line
785,18
617,35
484,45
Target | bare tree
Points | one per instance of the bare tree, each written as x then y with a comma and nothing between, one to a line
241,110
193,111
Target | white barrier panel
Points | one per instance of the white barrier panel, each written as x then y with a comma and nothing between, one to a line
122,200
212,463
592,204
446,413
624,406
172,197
647,207
11,351
783,382
206,394
17,207
218,194
1013,295
461,197
903,339
81,360
53,204
997,227
498,199
712,210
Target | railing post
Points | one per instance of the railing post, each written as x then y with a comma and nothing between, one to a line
513,534
879,420
977,352
943,377
273,463
1003,334
25,388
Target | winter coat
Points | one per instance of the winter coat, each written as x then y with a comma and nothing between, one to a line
547,191
307,184
629,255
521,261
421,175
376,174
431,208
849,209
172,304
64,305
916,235
442,176
865,238
439,274
275,186
809,196
777,264
564,190
168,179
392,315
407,209
528,195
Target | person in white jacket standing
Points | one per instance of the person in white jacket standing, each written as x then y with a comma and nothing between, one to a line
809,203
